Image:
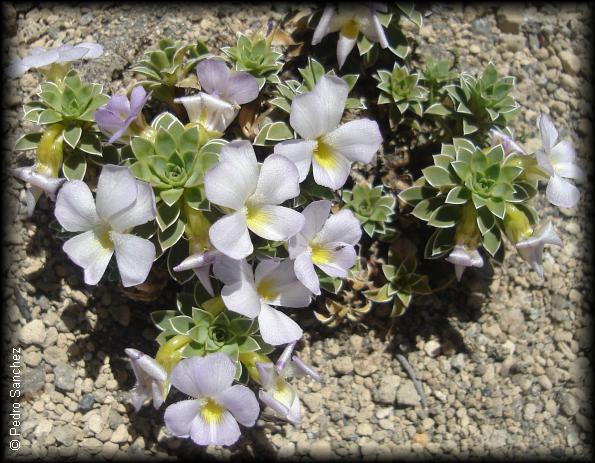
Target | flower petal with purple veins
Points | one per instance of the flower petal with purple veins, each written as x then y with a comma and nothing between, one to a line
213,75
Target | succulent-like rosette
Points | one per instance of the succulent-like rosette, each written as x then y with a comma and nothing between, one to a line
372,208
402,280
209,328
329,147
166,70
401,90
120,118
472,196
216,406
255,56
252,293
174,162
224,91
558,159
252,193
122,202
480,104
325,242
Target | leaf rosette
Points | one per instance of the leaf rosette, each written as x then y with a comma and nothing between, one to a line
373,209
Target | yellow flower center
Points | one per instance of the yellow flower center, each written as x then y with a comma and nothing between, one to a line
212,412
265,290
324,156
350,29
282,392
104,238
320,255
255,217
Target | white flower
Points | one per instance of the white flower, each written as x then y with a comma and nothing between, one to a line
253,192
38,183
252,293
350,19
326,242
330,148
462,258
531,249
200,264
277,393
224,91
40,58
150,379
558,160
122,203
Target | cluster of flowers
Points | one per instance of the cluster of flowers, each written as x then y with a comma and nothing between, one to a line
259,230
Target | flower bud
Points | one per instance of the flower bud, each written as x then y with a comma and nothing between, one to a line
249,360
516,224
170,353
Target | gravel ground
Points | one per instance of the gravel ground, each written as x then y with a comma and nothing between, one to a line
504,358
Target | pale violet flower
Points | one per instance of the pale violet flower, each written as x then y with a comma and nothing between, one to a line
531,249
558,160
37,184
151,379
253,193
200,264
252,293
223,92
349,19
326,242
507,142
216,407
330,148
462,257
122,203
40,58
276,392
115,117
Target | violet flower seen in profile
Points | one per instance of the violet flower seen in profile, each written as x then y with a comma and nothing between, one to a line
200,264
325,242
531,249
151,379
558,159
462,257
508,143
40,58
121,118
349,20
216,407
223,92
276,392
37,184
122,203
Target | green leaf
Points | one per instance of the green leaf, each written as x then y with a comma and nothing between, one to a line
248,344
424,209
167,215
199,333
90,143
491,240
382,294
458,195
437,176
170,236
485,220
461,168
181,324
478,201
75,166
445,216
177,253
496,154
72,135
415,194
437,109
497,207
28,141
141,148
170,197
165,145
161,318
49,116
509,173
442,242
478,161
